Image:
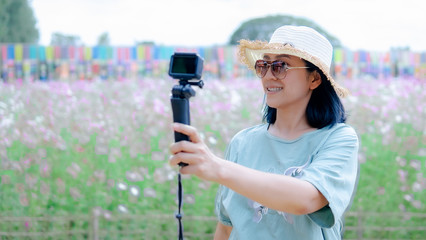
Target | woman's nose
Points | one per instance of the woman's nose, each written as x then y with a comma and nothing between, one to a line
269,74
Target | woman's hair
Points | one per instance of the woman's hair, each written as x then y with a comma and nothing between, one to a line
324,107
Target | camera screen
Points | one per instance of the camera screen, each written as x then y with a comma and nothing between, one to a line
185,65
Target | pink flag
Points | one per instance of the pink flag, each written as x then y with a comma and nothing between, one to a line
71,52
148,52
127,54
119,54
4,52
57,52
81,53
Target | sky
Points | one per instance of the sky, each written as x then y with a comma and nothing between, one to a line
373,25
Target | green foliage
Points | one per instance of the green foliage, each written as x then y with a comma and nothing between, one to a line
386,191
59,193
262,28
144,43
17,22
104,39
379,190
70,151
60,39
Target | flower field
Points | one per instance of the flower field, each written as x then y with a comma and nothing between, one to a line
74,149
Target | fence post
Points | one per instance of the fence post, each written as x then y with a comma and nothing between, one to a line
360,228
94,219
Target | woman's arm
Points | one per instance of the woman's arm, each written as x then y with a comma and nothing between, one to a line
279,192
222,232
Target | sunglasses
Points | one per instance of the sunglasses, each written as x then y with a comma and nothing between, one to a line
278,68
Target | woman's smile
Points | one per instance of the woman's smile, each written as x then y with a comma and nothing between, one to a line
273,89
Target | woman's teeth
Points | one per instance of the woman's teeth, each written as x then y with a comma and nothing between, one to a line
274,89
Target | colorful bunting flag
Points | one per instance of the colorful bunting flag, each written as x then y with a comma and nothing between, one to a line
49,53
4,52
10,52
151,60
42,53
141,52
33,52
338,56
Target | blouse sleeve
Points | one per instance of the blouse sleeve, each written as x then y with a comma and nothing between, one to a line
333,172
220,210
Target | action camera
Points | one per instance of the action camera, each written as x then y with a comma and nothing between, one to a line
186,66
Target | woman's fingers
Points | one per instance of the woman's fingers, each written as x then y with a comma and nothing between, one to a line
182,157
182,146
188,130
195,153
190,169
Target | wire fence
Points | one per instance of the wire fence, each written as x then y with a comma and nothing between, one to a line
95,226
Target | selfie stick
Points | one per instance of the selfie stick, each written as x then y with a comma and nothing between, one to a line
183,66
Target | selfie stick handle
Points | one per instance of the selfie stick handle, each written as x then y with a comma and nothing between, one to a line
180,107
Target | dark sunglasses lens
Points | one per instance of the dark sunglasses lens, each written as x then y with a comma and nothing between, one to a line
278,69
261,68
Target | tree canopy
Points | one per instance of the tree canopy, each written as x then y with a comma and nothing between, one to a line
60,39
17,22
104,39
262,28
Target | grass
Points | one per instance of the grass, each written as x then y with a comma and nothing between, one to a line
80,170
381,190
95,193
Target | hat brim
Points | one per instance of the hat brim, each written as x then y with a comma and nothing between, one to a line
251,51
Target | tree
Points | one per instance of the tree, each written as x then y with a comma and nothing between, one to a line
60,39
17,22
262,28
144,43
103,39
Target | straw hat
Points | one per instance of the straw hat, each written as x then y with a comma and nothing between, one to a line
300,41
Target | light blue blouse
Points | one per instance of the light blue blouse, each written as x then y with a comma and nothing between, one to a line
327,158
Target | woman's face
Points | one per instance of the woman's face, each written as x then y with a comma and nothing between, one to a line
294,90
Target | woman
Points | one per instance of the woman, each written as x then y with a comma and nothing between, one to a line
292,177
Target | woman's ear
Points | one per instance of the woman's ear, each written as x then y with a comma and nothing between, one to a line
314,80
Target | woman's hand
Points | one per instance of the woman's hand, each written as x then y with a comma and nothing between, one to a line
201,161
